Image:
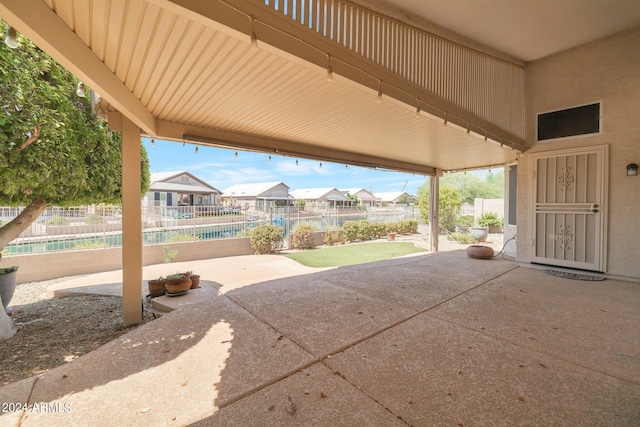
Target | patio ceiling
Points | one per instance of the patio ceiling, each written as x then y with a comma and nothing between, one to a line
184,70
527,30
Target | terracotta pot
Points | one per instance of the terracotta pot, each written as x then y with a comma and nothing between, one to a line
480,252
7,287
195,281
178,285
391,236
157,287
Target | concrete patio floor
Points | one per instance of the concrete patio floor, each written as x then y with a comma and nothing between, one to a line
425,340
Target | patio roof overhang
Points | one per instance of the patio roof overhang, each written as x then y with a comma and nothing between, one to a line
186,71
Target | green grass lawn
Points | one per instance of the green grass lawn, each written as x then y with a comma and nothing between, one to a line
360,253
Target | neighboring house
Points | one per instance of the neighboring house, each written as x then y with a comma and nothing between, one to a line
395,197
365,198
257,196
180,188
321,197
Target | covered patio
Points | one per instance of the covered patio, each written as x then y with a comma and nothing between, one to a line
413,86
436,339
435,86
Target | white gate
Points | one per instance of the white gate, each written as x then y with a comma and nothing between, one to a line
570,197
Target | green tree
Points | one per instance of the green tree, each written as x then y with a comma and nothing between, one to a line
448,208
53,150
471,186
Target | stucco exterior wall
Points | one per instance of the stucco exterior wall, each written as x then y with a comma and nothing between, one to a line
607,71
483,206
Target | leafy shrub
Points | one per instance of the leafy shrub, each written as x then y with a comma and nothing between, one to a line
183,237
94,219
391,227
365,231
89,244
350,231
302,237
312,224
8,270
108,210
332,236
465,238
168,254
408,226
491,219
378,229
465,220
266,239
56,220
448,208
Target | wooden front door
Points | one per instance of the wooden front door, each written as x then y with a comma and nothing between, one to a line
570,208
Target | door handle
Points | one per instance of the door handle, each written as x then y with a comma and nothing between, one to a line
593,208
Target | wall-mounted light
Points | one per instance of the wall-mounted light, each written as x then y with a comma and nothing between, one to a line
12,38
632,169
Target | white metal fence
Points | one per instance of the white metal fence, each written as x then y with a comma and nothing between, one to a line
94,227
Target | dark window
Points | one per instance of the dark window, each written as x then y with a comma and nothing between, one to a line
570,122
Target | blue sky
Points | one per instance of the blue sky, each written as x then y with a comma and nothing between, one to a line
220,168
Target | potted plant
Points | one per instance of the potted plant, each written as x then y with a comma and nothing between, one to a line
463,223
7,284
492,221
178,283
195,281
392,230
157,287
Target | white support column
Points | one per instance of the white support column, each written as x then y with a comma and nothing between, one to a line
131,223
434,218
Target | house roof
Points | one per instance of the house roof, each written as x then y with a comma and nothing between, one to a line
318,193
391,195
183,187
159,183
260,189
359,191
164,176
